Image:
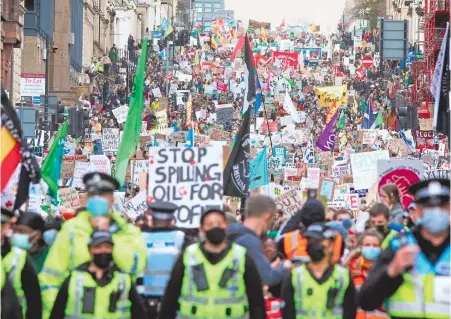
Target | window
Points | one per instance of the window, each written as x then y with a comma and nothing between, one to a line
29,5
198,5
217,5
199,10
207,7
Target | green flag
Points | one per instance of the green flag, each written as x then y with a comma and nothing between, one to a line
132,128
341,121
379,119
292,84
168,31
363,105
51,168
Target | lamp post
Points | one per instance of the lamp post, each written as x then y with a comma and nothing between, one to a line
49,47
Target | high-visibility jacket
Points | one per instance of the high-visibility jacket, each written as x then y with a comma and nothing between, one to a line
378,313
424,292
163,247
386,242
111,301
70,250
14,262
295,246
223,298
310,297
2,274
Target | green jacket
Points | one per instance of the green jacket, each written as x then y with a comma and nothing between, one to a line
70,250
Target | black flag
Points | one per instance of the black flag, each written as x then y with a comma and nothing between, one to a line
236,172
443,122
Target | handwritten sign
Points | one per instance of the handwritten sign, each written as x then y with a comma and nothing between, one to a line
289,202
140,165
68,197
120,113
364,168
191,178
81,168
136,206
110,139
99,163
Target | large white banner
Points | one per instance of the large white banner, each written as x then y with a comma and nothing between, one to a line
364,168
191,178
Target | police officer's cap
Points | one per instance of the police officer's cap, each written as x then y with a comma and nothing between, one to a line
100,183
432,192
6,215
162,210
319,231
99,237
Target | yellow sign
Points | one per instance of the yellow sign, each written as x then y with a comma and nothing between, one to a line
328,94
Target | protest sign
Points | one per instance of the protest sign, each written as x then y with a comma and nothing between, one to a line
273,127
144,131
286,59
99,163
156,92
352,201
191,178
179,137
162,123
136,206
80,169
36,198
328,94
437,173
289,202
120,113
67,170
326,188
224,114
279,157
218,135
313,173
307,183
110,140
402,173
364,168
369,136
361,192
341,170
68,197
140,165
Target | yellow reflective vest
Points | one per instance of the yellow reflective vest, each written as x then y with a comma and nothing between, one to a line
70,250
310,297
14,262
222,298
111,301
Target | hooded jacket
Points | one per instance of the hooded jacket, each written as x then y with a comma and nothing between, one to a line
247,238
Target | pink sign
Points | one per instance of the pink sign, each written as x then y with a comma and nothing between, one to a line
402,178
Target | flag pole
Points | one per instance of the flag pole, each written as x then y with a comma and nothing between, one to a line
267,124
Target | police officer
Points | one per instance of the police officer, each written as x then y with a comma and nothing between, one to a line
214,279
20,271
98,289
319,288
164,244
70,248
412,276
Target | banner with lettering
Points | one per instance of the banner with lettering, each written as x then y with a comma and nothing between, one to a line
287,59
191,178
328,94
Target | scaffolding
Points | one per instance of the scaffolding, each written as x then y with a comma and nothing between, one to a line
436,14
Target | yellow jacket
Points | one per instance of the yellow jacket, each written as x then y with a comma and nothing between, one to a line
70,250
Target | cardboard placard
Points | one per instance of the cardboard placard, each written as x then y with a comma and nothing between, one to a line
327,188
110,139
68,197
67,169
289,202
191,178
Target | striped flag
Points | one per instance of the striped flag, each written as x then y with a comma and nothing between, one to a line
14,150
368,118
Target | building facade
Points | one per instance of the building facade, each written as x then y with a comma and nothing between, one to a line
12,20
207,10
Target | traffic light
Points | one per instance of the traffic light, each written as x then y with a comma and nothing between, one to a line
59,116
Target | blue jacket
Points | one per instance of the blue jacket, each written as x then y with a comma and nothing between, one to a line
247,238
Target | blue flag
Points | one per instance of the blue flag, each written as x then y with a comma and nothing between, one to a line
190,139
259,170
258,96
368,118
164,24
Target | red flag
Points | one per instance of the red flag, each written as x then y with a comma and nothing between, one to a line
238,47
338,71
221,86
360,73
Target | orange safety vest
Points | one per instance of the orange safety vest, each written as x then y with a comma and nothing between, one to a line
295,245
378,313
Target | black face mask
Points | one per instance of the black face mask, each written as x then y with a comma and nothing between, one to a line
103,260
381,229
315,251
216,235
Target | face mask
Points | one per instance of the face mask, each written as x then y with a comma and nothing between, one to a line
21,241
315,251
371,253
435,220
381,229
216,235
98,206
49,236
103,260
